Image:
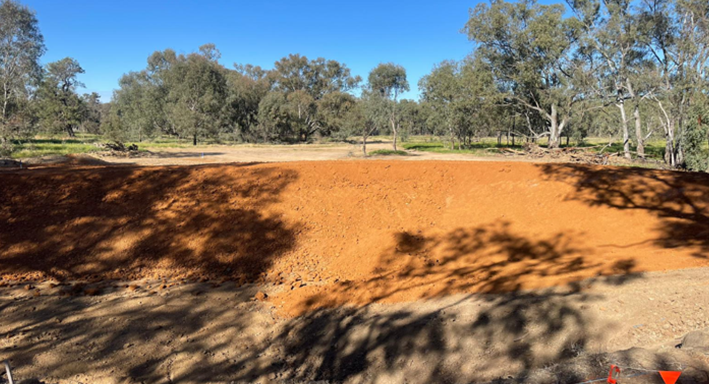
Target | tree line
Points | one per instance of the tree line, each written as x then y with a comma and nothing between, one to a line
622,69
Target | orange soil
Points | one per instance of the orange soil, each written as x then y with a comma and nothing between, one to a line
353,232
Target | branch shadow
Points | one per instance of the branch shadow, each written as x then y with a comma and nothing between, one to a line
679,199
489,258
131,222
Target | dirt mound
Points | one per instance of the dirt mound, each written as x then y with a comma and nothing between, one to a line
348,232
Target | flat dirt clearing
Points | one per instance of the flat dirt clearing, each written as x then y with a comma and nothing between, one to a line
341,235
219,154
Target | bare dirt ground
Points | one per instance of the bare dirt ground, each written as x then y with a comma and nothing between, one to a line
204,333
374,271
214,154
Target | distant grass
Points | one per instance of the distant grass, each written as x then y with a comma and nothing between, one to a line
55,146
439,147
484,147
388,152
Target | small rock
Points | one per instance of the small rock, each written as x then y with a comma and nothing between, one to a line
260,296
92,291
696,339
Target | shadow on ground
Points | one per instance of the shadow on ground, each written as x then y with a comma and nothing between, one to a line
184,155
490,258
130,222
679,199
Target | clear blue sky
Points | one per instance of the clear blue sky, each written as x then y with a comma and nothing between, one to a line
112,37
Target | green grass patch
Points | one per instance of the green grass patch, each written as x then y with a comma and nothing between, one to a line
439,147
388,152
55,146
486,146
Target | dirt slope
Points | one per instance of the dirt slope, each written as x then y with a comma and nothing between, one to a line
348,232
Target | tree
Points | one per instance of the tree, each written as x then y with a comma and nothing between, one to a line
441,88
414,118
303,85
180,95
94,111
247,86
676,33
333,110
61,108
21,46
389,80
369,114
197,96
613,33
462,97
531,50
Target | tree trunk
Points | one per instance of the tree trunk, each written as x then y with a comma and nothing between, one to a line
364,145
639,139
639,132
556,128
624,127
670,148
194,139
393,130
452,136
70,131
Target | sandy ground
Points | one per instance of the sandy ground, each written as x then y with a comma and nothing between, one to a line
215,154
369,271
209,333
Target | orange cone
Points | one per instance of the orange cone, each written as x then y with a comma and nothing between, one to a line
670,377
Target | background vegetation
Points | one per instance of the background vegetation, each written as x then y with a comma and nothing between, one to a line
631,72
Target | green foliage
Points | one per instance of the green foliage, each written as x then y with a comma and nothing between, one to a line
21,45
462,100
60,107
388,81
694,139
50,146
531,50
388,152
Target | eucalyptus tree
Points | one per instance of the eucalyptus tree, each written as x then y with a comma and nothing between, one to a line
60,107
614,34
300,85
94,111
463,97
677,35
414,118
141,102
441,89
332,113
21,46
247,86
181,95
196,98
370,114
531,49
389,80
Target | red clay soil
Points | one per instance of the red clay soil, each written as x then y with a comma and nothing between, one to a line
353,232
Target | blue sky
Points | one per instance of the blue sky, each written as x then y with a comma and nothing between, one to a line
112,37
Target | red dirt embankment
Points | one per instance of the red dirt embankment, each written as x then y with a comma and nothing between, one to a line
353,232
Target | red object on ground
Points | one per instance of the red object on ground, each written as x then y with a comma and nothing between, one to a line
614,374
670,377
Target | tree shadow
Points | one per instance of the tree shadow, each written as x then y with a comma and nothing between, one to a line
184,155
490,258
131,222
222,336
679,199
